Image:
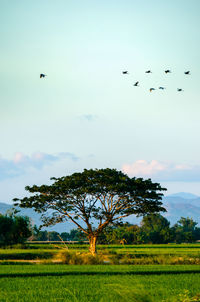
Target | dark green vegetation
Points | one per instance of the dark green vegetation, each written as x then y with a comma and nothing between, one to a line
98,283
94,199
14,229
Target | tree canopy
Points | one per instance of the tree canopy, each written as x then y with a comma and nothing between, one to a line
94,199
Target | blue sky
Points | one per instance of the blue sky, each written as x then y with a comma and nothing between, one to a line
85,113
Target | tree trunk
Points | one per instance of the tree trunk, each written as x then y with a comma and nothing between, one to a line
93,241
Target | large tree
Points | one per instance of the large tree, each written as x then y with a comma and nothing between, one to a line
94,199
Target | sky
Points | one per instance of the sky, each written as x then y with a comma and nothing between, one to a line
85,113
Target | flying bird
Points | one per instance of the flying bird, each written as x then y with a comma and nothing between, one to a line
179,89
162,88
187,72
151,89
125,72
42,75
148,71
167,71
136,84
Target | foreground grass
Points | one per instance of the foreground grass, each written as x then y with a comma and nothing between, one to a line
97,283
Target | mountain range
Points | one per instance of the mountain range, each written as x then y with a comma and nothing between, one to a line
177,205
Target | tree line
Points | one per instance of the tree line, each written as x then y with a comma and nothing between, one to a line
154,228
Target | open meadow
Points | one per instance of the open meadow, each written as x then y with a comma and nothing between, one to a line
37,274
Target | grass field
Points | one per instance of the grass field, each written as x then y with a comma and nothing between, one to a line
103,283
98,283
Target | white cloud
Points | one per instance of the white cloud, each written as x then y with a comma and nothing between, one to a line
142,167
163,171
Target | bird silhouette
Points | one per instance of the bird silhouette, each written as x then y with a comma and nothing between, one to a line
187,72
136,84
148,71
151,89
162,88
167,71
125,72
179,89
42,75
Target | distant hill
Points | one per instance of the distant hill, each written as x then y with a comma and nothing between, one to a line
177,206
184,195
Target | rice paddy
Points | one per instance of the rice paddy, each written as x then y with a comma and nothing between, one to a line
104,282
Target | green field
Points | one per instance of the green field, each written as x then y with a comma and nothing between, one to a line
21,279
97,283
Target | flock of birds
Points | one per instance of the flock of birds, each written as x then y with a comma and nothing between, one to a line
162,88
136,84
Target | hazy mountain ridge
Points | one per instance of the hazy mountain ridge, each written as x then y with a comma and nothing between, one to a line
178,207
175,204
184,195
